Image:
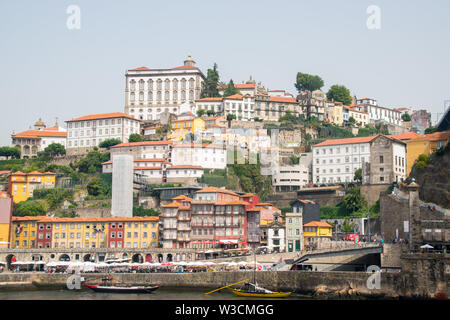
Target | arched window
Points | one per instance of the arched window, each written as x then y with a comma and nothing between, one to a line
175,83
150,96
175,96
141,96
183,83
133,85
191,83
166,96
150,84
191,94
158,96
132,96
183,95
167,84
141,84
159,84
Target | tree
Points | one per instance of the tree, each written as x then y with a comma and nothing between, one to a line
308,82
94,187
135,137
142,212
109,143
29,208
431,130
200,112
210,84
406,117
230,89
231,117
294,160
358,175
8,152
54,149
339,93
353,201
92,162
348,226
210,112
352,120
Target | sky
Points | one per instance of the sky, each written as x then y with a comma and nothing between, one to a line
49,71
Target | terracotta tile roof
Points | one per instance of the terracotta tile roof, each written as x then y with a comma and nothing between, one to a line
192,145
436,136
214,189
255,209
103,116
185,67
404,136
317,224
147,168
248,195
228,203
214,118
174,204
283,99
185,167
236,96
345,141
144,160
40,133
240,86
210,99
142,143
182,197
140,69
263,204
5,172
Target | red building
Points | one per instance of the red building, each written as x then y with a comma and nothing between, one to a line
116,232
44,235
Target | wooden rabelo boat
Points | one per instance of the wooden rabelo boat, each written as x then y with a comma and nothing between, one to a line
253,291
108,287
115,289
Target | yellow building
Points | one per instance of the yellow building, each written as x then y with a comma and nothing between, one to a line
180,128
24,232
6,206
21,185
73,233
424,144
316,231
79,232
335,114
141,232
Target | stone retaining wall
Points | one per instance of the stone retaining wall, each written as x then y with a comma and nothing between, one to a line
297,281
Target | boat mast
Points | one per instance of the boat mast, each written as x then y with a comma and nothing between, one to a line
254,267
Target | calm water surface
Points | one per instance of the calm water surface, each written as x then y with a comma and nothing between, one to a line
160,294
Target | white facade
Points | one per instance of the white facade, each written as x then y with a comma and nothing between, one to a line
122,186
399,159
338,162
145,149
377,113
89,131
362,118
206,156
291,177
241,106
151,91
276,239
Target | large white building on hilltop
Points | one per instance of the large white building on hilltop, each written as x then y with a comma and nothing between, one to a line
85,133
31,142
377,113
149,92
335,161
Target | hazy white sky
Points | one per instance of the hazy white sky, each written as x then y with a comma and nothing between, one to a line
49,71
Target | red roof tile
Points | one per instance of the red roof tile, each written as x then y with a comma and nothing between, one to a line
103,116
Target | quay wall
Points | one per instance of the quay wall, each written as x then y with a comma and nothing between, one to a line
298,281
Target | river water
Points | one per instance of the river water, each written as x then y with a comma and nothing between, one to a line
160,294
